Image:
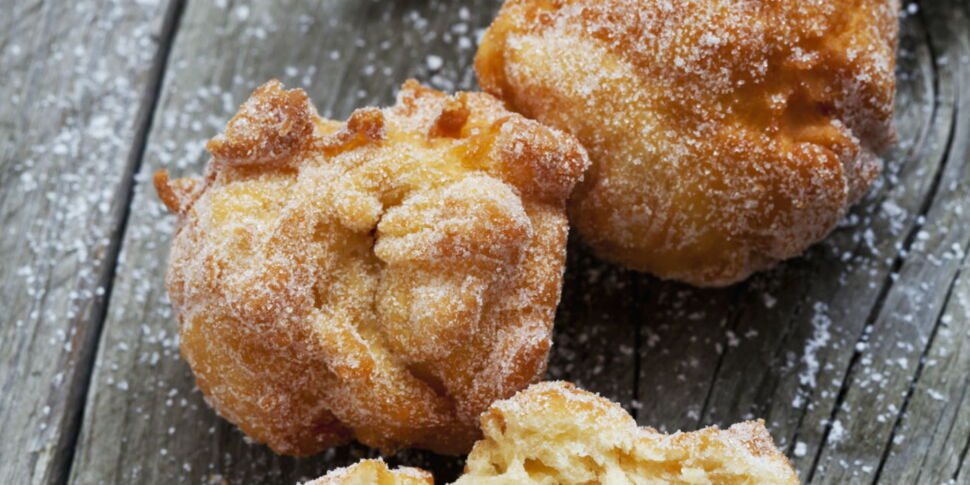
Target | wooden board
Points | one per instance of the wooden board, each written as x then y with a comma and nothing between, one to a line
76,84
884,375
855,354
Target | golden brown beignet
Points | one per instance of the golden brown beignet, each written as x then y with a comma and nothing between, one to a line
725,136
384,279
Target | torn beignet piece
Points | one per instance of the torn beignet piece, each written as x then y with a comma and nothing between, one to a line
554,433
374,472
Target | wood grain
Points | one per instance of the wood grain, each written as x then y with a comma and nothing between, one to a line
595,337
76,81
879,386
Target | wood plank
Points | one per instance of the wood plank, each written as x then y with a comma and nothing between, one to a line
879,388
930,443
684,333
145,421
595,338
76,80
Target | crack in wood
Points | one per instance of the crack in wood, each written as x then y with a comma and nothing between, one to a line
962,461
735,320
143,121
915,379
637,335
897,264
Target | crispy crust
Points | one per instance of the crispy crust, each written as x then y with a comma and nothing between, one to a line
725,136
383,279
555,433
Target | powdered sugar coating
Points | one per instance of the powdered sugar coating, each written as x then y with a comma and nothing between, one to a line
725,136
383,279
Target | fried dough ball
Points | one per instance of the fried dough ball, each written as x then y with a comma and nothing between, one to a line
374,472
554,433
725,136
383,279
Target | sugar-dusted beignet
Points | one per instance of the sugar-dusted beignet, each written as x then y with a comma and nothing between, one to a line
725,135
383,279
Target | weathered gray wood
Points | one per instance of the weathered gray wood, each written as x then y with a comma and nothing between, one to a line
75,83
880,386
594,342
684,332
935,427
145,422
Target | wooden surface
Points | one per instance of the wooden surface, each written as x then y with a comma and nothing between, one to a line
857,354
74,83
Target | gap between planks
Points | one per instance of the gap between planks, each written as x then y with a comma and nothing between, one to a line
143,124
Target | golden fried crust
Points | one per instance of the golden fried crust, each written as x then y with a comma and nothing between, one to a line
383,279
725,136
374,472
555,433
